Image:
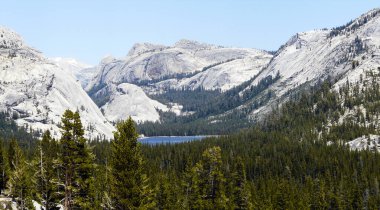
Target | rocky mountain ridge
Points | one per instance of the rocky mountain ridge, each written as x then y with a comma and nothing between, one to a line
185,65
36,91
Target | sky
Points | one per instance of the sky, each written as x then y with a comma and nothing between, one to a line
89,30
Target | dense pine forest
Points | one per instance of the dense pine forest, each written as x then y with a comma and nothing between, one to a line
202,106
297,158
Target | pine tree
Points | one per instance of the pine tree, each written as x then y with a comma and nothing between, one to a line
77,164
85,167
103,186
209,180
20,182
12,161
196,194
45,175
3,175
188,186
128,183
67,158
241,194
162,194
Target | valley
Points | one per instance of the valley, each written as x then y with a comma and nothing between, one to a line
193,125
189,88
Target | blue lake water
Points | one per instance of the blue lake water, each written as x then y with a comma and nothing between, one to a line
169,139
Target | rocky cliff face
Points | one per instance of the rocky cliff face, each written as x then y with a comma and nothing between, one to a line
146,62
81,71
187,64
36,91
339,54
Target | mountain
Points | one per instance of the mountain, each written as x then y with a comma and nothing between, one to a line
346,54
81,71
339,54
190,84
130,100
186,65
36,91
304,61
223,75
149,62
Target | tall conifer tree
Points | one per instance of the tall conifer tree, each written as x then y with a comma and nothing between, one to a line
45,176
128,183
20,182
209,180
3,175
77,163
241,194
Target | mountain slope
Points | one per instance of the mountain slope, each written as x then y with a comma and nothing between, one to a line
38,91
338,55
130,100
81,71
304,61
335,54
223,76
146,62
158,68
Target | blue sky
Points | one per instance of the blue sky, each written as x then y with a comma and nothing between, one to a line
88,30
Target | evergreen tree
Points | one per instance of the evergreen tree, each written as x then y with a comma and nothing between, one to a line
85,167
12,161
3,175
20,182
210,180
128,184
189,187
163,195
45,175
241,194
76,162
102,186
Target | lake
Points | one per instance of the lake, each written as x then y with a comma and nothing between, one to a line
169,139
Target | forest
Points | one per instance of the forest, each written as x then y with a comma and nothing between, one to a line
294,159
203,106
